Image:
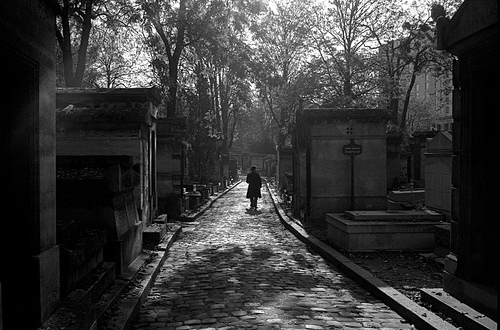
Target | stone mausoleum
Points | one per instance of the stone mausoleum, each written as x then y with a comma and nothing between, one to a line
106,175
339,162
29,274
471,270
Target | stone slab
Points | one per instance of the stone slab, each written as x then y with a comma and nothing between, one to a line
119,223
124,251
394,215
380,235
131,209
412,195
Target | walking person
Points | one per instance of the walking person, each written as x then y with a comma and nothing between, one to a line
254,184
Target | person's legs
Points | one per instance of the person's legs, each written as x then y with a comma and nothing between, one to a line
253,202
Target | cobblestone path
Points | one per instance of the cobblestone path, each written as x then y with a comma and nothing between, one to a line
241,269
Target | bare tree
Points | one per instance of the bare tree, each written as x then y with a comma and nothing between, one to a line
280,53
117,57
343,33
74,25
406,50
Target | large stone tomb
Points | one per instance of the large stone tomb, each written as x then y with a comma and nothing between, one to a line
339,162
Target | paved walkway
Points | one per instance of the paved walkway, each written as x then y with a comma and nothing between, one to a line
241,269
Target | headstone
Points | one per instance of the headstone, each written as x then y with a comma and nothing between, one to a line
119,223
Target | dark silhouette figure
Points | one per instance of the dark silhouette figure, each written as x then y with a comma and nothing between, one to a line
254,184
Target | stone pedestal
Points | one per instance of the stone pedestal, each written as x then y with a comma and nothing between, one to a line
194,199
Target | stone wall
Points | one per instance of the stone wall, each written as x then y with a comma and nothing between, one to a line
30,268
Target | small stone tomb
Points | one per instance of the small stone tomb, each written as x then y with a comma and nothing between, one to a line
383,230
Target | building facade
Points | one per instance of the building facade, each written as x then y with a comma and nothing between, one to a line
435,92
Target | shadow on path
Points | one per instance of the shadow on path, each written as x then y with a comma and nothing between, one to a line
253,212
236,269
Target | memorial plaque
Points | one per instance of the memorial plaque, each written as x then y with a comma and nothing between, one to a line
132,215
352,149
120,213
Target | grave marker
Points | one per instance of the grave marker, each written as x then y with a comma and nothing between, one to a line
352,149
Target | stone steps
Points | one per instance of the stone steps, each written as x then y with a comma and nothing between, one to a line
394,215
459,312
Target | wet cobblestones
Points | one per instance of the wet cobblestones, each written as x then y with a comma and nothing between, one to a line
241,269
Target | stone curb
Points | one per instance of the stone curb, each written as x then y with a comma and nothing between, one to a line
420,317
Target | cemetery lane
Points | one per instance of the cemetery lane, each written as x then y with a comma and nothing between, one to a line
238,268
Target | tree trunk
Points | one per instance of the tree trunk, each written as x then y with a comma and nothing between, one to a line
394,109
173,56
84,43
402,125
74,78
172,90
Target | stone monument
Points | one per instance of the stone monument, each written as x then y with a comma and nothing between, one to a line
342,154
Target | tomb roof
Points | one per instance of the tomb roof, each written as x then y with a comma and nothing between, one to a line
346,114
67,95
